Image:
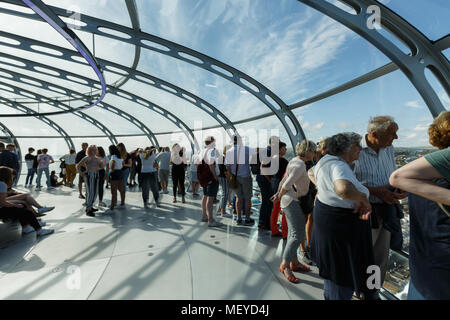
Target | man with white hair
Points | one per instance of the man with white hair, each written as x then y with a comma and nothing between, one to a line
373,168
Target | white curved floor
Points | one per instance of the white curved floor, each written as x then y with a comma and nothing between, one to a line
159,253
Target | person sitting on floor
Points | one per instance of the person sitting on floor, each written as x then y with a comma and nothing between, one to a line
54,180
11,210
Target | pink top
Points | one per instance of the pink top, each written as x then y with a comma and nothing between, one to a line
296,176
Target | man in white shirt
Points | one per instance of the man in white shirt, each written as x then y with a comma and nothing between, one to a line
210,156
237,161
164,168
71,171
373,168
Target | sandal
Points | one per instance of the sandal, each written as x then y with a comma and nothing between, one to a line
300,268
291,278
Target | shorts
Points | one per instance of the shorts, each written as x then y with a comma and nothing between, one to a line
211,189
245,188
115,175
163,175
193,176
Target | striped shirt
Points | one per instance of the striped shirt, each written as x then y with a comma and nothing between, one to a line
373,169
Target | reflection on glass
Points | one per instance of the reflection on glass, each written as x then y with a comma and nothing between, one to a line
397,276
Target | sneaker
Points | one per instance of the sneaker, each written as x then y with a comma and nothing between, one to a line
27,230
50,188
45,209
305,257
239,221
102,204
38,189
204,220
44,232
214,224
42,223
227,215
249,221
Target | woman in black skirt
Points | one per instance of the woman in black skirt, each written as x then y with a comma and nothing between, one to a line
341,243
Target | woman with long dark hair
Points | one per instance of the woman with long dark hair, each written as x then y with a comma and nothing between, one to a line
102,175
178,173
126,165
116,176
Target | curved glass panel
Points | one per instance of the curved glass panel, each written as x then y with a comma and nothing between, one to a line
447,53
429,17
390,95
113,11
290,48
30,127
176,105
154,121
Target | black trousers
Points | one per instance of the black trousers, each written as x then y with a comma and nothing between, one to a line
178,176
24,216
101,182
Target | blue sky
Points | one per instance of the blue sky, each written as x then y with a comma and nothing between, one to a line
285,45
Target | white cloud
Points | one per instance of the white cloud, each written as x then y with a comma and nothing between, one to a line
318,125
421,127
414,104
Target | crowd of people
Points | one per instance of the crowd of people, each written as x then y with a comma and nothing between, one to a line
339,198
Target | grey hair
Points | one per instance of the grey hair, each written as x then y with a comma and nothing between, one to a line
380,124
342,142
304,147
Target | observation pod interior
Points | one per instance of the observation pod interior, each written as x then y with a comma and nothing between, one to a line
105,72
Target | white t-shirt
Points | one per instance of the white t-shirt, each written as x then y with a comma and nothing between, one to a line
147,165
194,162
210,155
118,163
70,158
327,171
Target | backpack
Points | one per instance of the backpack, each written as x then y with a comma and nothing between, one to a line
204,174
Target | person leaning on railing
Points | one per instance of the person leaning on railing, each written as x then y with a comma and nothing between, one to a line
428,181
341,243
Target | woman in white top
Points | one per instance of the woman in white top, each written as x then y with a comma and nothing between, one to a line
294,184
149,175
341,243
115,176
93,165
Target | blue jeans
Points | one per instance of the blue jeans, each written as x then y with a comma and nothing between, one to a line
39,175
413,293
149,181
30,176
225,185
125,175
266,205
333,291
